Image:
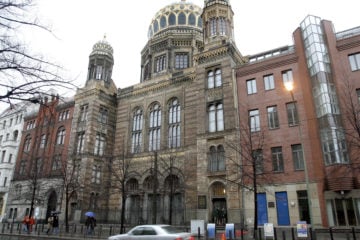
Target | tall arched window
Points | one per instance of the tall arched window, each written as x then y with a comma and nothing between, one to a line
216,159
154,127
216,117
163,22
27,143
210,79
132,185
60,137
174,124
136,135
222,26
218,80
181,19
192,19
156,26
172,19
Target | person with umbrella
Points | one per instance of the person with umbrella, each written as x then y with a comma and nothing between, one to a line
90,222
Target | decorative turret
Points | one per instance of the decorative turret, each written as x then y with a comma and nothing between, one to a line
218,21
101,62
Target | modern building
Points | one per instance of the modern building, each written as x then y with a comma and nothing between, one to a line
38,179
306,139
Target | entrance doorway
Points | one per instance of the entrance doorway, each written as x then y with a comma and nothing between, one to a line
219,213
51,205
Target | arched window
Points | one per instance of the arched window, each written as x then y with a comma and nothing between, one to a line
172,182
15,135
222,26
60,137
216,117
216,159
156,26
163,22
100,141
27,143
174,124
181,19
218,189
149,183
213,27
154,127
192,19
200,22
218,80
172,19
132,185
136,135
210,79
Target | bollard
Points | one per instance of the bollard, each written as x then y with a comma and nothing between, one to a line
293,233
283,235
353,232
331,233
198,232
260,235
275,234
110,230
242,233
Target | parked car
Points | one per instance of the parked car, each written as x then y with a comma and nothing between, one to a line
154,232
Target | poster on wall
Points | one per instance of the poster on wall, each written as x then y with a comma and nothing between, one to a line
197,225
268,230
301,228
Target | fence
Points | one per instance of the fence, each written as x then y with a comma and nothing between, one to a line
14,231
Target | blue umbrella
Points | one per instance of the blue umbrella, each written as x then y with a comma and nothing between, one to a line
90,214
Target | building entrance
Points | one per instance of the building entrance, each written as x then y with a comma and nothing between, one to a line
219,212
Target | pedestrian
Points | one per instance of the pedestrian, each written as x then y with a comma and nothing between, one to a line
49,224
90,224
31,223
26,223
55,225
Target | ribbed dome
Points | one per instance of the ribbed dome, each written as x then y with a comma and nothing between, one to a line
180,14
102,48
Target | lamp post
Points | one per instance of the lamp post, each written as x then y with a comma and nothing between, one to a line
289,87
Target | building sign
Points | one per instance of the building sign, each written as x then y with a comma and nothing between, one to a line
268,230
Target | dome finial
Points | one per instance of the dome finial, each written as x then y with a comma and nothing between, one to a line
104,37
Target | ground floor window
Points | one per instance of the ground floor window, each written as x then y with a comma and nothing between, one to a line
343,211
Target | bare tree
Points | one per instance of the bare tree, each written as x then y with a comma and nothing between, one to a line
24,75
119,168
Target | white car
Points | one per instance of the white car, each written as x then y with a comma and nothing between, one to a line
154,232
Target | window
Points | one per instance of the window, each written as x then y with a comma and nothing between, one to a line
3,156
269,82
22,167
64,115
1,138
11,122
273,119
357,93
80,142
216,117
172,19
216,159
56,164
212,26
27,144
132,185
163,22
99,147
136,135
39,165
18,189
181,19
287,77
258,160
181,60
7,136
99,72
15,135
160,63
277,159
43,141
254,120
292,115
222,26
96,174
103,115
83,113
5,181
154,127
214,78
60,137
10,158
4,124
156,26
251,86
174,124
298,157
354,60
192,19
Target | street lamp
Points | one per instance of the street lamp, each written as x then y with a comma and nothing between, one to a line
289,85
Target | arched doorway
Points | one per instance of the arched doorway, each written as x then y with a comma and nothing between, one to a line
219,208
51,204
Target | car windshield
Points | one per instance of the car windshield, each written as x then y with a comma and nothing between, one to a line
171,229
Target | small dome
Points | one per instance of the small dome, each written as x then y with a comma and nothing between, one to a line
180,14
102,48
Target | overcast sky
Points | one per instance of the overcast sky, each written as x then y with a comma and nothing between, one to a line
260,25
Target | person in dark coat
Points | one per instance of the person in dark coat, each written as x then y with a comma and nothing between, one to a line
90,224
55,224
